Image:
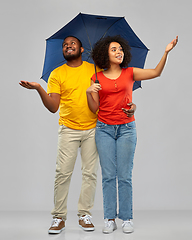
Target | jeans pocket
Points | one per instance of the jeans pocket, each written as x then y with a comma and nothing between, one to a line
131,125
100,124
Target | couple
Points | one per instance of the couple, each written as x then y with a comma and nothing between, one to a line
72,88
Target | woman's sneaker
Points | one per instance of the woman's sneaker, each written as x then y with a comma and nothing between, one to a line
110,226
57,226
127,226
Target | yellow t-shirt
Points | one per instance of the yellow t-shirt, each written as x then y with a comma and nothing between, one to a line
71,83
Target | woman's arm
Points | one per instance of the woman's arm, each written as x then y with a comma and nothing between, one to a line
145,74
93,96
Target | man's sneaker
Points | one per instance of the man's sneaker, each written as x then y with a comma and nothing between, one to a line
110,226
85,223
127,226
57,225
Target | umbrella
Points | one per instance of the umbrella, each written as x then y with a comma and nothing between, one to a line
89,29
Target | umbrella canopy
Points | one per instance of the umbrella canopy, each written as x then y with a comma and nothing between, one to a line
89,29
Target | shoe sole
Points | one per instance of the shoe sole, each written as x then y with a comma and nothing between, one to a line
87,229
127,232
55,231
111,231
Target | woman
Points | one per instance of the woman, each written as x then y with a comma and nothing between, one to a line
115,131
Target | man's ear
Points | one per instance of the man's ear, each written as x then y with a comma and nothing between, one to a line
82,49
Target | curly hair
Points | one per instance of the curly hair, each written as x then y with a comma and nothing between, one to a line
100,51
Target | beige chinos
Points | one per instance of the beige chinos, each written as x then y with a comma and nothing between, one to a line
69,140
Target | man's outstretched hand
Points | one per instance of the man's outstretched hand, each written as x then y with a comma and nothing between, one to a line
30,85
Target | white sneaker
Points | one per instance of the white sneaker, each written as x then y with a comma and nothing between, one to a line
127,226
109,227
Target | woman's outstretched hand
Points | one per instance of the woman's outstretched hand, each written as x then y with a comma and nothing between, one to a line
171,45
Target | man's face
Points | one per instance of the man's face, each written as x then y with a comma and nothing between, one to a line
71,49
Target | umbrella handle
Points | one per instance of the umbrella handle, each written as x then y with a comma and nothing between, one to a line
96,81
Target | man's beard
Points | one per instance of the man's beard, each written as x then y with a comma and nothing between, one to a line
71,57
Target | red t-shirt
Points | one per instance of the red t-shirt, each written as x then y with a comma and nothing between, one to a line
114,96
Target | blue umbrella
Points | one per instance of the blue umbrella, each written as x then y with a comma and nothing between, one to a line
89,29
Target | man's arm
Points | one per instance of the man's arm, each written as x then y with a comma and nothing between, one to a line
51,101
130,112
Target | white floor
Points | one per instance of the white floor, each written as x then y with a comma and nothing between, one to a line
149,225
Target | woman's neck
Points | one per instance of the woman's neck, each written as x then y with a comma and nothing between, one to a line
113,72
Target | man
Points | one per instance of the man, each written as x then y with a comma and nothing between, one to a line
66,90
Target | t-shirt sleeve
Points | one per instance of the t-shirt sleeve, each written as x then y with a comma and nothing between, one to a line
98,70
131,70
93,77
53,85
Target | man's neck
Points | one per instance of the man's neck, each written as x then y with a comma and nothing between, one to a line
75,63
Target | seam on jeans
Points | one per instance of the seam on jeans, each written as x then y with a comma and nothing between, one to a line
102,125
130,127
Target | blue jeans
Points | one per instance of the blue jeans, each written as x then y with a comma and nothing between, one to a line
116,147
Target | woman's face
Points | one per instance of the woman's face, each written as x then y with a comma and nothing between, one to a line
116,53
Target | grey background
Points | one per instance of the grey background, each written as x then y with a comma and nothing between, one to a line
162,165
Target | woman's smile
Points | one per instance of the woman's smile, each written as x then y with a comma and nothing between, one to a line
115,53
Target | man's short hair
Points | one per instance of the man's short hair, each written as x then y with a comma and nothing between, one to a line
76,38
